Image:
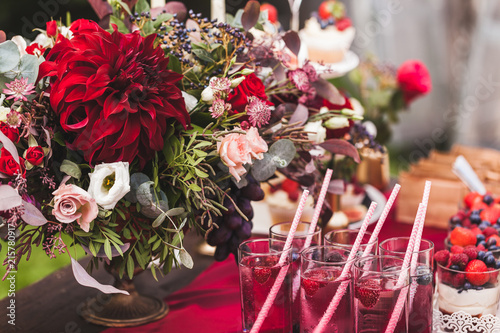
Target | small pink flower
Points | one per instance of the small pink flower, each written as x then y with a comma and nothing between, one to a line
257,145
13,119
258,111
221,86
300,79
219,107
311,72
19,89
74,203
235,151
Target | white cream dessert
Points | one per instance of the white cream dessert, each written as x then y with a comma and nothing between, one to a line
328,45
473,302
283,209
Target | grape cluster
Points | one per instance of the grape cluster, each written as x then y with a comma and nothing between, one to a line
233,228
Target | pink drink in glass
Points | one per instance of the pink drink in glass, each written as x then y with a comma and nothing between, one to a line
376,293
420,314
258,272
280,231
319,285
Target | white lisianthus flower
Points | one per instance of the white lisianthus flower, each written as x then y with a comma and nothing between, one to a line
44,41
337,122
316,132
109,183
236,82
207,96
190,101
4,111
21,44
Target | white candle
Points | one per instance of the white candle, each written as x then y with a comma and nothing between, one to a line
157,3
219,10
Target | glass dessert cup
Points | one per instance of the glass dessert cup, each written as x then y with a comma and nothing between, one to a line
376,292
420,313
346,237
465,291
258,263
280,232
320,268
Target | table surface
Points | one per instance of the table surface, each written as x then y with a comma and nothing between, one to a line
211,302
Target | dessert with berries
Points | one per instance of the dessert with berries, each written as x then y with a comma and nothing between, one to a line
328,34
467,280
477,223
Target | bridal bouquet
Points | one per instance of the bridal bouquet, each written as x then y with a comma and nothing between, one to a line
126,137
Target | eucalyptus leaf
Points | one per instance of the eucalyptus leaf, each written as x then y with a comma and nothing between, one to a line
9,56
283,152
175,211
136,180
264,169
155,210
28,67
159,220
144,194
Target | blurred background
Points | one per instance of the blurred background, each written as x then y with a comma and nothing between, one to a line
459,41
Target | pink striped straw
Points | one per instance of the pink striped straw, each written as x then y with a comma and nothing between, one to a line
319,205
264,311
381,220
398,308
345,271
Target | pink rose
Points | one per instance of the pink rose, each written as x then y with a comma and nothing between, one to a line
235,151
257,145
74,203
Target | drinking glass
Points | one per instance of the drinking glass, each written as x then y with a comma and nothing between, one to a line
280,232
346,237
421,290
258,262
320,268
376,292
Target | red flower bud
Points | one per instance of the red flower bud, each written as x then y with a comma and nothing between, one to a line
51,28
414,80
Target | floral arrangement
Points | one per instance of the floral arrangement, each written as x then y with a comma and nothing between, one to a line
128,137
385,91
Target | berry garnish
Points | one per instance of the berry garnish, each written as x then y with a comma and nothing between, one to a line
458,280
471,252
476,272
424,275
459,259
462,237
313,280
272,12
442,257
343,24
368,292
261,274
456,249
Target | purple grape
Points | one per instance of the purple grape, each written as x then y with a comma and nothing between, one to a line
245,206
233,222
253,192
229,205
245,231
221,252
219,236
233,244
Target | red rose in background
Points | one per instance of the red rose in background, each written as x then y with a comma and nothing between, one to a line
8,164
339,132
414,80
51,28
113,93
11,132
251,86
35,155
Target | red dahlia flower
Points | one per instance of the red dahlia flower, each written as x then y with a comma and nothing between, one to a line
414,80
113,93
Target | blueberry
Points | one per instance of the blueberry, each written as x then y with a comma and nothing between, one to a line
481,255
334,257
424,275
497,264
493,248
467,285
491,242
475,218
455,219
453,226
479,288
480,237
488,199
488,253
489,260
483,225
455,267
498,221
483,243
486,222
295,256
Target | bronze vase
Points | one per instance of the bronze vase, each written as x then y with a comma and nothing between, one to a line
119,310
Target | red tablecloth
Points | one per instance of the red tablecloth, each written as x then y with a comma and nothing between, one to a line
211,303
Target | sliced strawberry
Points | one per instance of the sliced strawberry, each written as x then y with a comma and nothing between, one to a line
261,274
272,12
325,10
476,272
368,292
491,213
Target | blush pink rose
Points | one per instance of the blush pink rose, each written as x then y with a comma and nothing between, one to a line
257,145
235,151
74,203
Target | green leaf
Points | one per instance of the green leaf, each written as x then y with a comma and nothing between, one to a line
163,17
153,272
196,46
200,153
130,266
139,258
107,248
119,24
203,144
126,233
152,239
175,211
194,187
200,173
174,64
142,6
124,6
92,249
156,244
82,233
71,169
204,55
177,239
118,248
